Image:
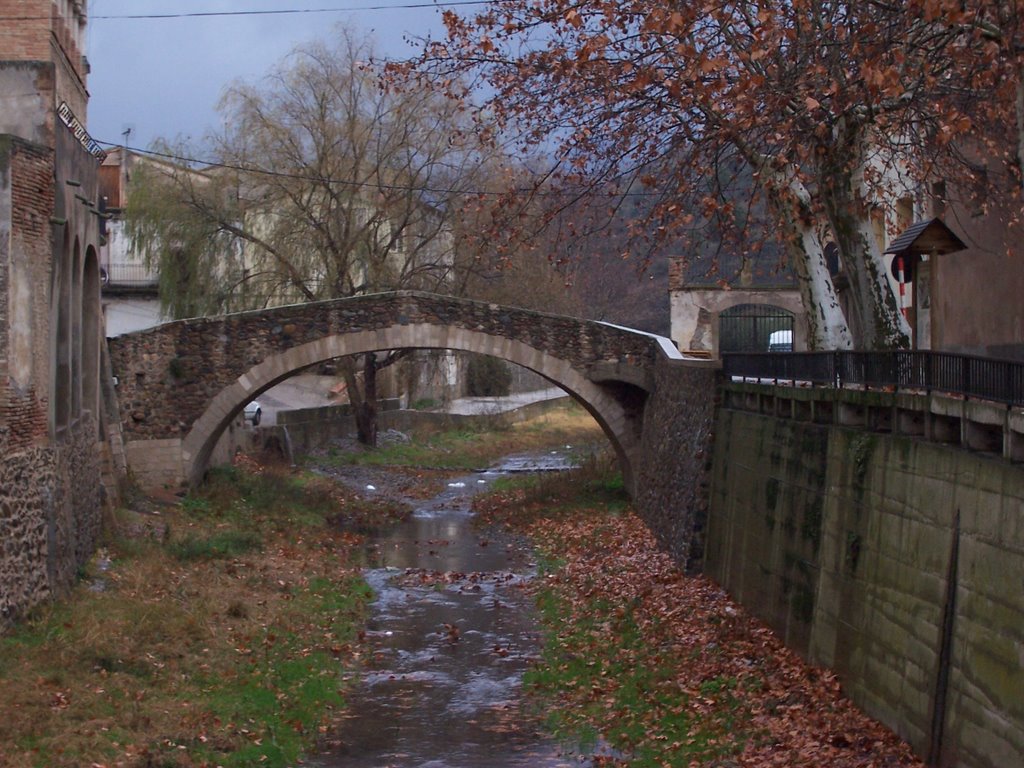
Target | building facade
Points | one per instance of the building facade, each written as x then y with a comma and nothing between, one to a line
50,319
975,296
131,301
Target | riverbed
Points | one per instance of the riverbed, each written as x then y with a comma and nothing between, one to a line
452,631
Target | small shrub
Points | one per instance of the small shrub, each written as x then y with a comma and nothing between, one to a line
487,377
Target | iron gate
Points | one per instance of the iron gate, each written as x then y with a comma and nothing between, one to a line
755,328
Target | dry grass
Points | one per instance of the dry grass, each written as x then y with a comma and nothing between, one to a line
471,449
224,624
222,652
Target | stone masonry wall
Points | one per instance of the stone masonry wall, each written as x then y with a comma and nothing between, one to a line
28,486
167,376
673,477
50,513
856,547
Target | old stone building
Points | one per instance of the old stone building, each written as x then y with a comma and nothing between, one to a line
726,305
50,325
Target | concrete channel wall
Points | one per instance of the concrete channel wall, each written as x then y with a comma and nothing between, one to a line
895,561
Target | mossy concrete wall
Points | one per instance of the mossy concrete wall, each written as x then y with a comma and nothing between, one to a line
896,562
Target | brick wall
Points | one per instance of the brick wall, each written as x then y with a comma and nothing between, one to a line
25,303
676,272
24,265
38,32
28,38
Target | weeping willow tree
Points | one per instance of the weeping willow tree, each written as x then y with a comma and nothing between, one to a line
323,184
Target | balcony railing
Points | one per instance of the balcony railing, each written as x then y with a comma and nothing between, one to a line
983,378
128,275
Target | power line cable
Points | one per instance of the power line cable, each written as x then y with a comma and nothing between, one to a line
208,164
356,184
268,12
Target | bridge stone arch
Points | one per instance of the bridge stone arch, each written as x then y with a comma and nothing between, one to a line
606,409
180,384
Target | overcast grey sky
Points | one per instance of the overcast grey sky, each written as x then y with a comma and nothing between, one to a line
163,77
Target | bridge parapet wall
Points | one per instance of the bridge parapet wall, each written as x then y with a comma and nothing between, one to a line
168,375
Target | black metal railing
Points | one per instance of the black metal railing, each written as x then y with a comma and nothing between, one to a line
985,378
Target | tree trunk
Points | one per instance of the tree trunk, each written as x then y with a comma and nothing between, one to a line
827,328
366,411
362,396
877,319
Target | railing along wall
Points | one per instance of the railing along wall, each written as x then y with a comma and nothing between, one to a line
128,274
984,378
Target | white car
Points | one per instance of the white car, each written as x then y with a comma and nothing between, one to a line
780,341
253,413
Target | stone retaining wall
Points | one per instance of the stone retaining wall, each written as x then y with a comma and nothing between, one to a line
897,562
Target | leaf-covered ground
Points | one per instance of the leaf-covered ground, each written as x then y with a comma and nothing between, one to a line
662,669
209,633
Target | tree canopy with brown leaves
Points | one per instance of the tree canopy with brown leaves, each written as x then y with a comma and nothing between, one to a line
838,111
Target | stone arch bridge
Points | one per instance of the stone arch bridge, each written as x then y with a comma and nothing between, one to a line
179,385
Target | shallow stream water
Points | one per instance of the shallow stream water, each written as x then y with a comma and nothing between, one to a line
451,632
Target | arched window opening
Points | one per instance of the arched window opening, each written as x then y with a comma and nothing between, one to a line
76,332
91,334
62,338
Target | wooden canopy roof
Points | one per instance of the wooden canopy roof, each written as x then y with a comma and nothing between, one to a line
926,237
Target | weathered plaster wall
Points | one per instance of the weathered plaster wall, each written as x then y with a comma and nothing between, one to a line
975,294
843,540
27,93
696,314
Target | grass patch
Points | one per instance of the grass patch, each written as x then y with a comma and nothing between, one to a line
467,449
600,674
519,501
217,545
219,638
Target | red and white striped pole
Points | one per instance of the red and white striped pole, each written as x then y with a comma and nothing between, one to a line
903,286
